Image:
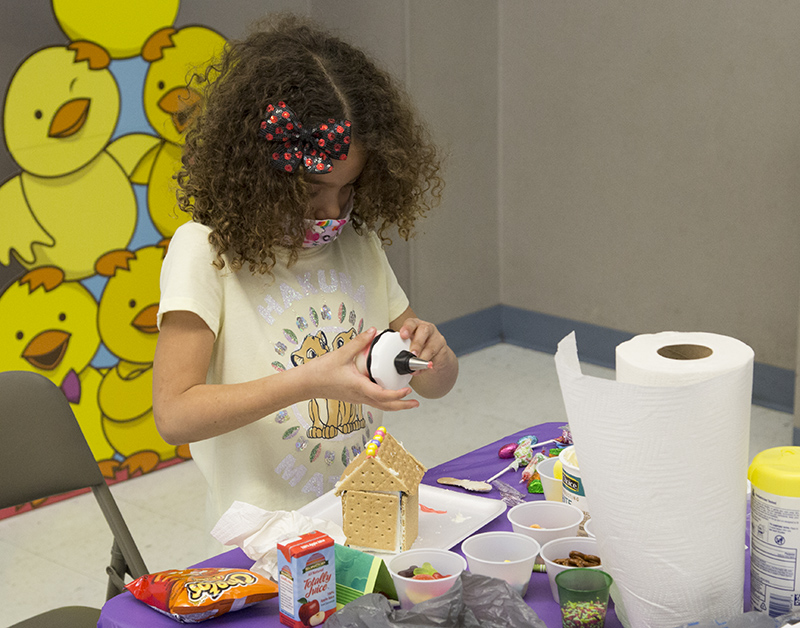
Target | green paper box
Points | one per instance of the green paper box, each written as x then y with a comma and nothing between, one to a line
358,573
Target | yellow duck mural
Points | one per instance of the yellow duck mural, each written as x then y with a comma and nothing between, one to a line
96,130
170,106
50,329
119,26
127,323
60,111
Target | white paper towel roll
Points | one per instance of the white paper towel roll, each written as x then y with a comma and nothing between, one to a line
663,453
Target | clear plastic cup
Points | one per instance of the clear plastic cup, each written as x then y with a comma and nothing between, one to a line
555,520
508,556
583,596
560,548
411,591
551,485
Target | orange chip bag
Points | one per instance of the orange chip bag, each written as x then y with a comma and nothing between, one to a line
194,595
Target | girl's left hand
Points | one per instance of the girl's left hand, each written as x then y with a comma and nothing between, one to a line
428,344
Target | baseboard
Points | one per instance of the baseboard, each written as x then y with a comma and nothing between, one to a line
475,331
773,387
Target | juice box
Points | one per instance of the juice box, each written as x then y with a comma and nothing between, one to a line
307,580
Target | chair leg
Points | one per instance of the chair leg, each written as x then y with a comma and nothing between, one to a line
116,572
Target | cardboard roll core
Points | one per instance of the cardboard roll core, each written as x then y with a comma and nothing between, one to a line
685,352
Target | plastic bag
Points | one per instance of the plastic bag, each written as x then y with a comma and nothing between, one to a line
475,601
790,619
508,493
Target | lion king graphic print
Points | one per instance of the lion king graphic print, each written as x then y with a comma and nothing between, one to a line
324,315
340,416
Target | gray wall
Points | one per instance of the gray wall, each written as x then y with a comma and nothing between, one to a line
660,183
631,165
446,52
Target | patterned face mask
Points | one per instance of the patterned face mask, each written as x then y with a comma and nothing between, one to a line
319,232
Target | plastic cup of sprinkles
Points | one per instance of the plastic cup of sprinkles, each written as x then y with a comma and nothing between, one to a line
583,595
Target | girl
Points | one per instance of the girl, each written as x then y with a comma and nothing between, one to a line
304,155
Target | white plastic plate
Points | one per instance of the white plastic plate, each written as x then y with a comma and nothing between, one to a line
460,514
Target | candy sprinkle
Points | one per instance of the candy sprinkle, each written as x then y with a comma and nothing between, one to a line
375,443
583,614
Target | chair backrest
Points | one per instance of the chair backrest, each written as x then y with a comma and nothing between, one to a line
43,452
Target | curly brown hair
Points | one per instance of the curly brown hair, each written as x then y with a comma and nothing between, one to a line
226,181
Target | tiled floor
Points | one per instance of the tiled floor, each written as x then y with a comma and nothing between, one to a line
57,555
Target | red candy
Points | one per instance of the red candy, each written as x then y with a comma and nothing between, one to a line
426,572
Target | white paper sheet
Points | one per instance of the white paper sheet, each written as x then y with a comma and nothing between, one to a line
258,531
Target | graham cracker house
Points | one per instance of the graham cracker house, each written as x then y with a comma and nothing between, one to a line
380,496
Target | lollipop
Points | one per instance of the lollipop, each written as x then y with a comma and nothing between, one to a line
562,441
522,455
529,471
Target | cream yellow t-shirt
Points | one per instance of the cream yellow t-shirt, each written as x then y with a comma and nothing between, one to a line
264,325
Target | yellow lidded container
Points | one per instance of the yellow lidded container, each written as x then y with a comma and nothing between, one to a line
777,471
774,476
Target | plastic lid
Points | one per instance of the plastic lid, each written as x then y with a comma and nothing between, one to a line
569,458
777,471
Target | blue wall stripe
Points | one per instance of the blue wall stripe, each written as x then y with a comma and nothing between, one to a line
474,331
773,387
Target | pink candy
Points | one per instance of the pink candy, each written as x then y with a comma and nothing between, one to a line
507,451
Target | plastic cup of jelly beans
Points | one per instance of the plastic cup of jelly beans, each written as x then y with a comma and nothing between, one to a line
583,596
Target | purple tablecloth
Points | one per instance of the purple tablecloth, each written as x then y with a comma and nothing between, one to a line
124,611
482,464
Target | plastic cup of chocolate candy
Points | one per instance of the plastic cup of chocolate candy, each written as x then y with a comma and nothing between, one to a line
556,555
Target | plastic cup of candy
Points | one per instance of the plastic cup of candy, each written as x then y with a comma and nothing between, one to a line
559,549
544,521
508,556
551,484
437,570
583,597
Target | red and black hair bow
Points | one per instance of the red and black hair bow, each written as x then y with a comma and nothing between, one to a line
313,148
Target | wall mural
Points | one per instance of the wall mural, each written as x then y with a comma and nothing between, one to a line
95,129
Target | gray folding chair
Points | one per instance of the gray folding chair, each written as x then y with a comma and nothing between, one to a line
43,453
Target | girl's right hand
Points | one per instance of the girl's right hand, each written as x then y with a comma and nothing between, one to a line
336,376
